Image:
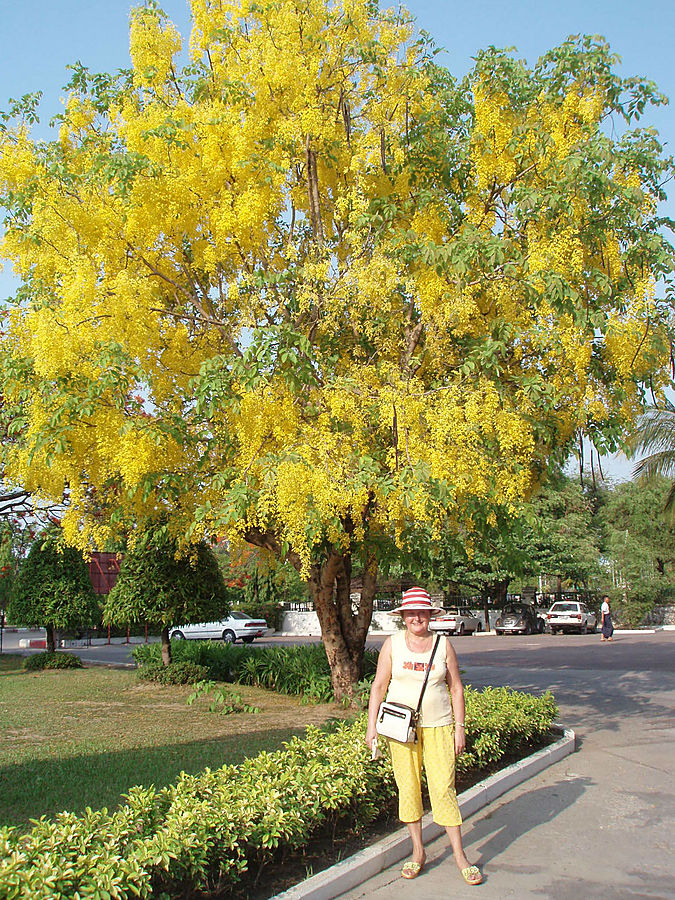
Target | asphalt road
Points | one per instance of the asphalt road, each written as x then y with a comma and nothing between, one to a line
648,652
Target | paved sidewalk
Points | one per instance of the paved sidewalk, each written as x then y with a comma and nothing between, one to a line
596,826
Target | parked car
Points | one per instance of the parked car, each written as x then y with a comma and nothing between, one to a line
519,618
237,626
571,615
459,620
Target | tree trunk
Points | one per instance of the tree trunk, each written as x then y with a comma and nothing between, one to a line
166,646
343,629
51,645
499,590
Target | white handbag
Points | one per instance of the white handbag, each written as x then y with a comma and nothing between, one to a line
398,721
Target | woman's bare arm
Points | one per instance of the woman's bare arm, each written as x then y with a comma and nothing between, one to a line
454,680
378,689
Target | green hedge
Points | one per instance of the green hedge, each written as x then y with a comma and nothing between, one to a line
301,671
205,833
52,660
182,672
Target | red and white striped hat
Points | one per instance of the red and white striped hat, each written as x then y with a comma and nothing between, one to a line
416,598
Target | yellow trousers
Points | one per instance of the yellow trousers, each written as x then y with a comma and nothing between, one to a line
435,748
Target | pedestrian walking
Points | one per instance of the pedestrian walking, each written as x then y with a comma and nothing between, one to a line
607,625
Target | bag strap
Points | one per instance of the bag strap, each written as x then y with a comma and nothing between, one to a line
426,677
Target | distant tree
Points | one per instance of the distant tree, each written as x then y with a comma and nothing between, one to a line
655,436
562,540
258,576
159,585
485,560
52,589
639,543
552,535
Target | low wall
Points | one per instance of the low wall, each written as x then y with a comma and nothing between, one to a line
308,623
661,615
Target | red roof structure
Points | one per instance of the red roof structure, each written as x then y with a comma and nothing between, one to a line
103,571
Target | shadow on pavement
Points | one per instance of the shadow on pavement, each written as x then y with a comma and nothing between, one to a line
591,699
648,886
509,821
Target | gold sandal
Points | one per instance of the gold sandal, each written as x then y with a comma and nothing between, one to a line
472,875
411,869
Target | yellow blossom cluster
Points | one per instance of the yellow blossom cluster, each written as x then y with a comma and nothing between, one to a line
494,148
253,302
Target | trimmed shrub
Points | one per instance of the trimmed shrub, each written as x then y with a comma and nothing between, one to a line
49,660
500,722
183,672
52,589
160,585
205,833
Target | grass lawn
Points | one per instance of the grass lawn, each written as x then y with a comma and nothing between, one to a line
82,737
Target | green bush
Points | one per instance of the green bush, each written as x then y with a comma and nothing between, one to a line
207,832
635,609
500,722
179,672
302,671
50,660
221,701
271,611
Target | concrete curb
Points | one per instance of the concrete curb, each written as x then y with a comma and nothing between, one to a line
352,872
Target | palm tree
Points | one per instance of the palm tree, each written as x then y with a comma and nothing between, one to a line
655,436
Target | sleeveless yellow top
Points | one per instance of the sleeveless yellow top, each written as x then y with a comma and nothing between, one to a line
407,677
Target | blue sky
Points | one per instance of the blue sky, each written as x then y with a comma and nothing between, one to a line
40,38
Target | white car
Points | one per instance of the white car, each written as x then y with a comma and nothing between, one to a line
571,615
237,626
459,620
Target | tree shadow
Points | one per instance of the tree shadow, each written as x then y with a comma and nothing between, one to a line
36,787
508,821
591,697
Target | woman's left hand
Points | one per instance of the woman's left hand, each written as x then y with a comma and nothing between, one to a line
460,740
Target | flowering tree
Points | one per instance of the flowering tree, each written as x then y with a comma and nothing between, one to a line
309,290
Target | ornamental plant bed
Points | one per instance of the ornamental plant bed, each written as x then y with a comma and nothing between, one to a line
217,833
298,670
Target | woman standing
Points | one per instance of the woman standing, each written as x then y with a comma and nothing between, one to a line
607,624
401,668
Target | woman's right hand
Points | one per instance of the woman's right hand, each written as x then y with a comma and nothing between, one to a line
378,690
